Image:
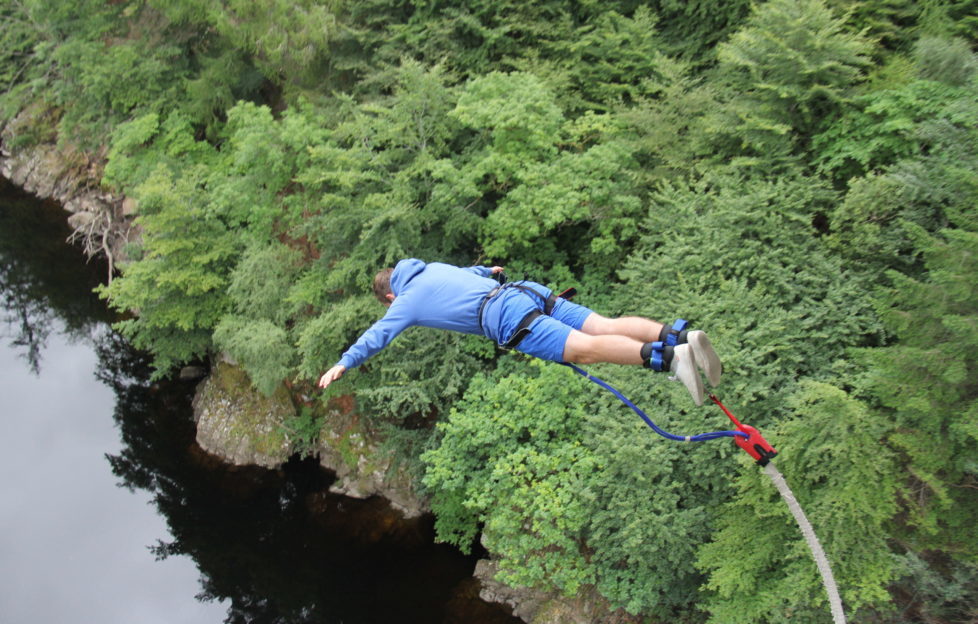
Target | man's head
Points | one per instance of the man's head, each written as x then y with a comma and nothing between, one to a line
382,286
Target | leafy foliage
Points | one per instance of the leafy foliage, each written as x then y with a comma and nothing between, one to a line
797,65
926,382
883,130
178,286
885,125
304,430
796,177
259,346
509,458
18,44
895,24
748,246
846,482
931,187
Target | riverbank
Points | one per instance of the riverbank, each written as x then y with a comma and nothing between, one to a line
356,560
234,422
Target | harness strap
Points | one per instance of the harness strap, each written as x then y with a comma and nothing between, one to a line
482,306
676,334
657,356
548,302
523,328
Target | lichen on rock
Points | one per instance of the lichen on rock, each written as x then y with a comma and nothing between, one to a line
240,424
363,467
548,607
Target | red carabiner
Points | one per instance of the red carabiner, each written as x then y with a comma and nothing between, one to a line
755,444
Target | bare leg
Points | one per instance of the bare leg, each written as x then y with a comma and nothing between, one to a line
637,328
582,348
621,341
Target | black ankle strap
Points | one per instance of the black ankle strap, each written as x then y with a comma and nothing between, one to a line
657,356
675,335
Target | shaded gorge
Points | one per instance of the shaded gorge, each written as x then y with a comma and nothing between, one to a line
269,545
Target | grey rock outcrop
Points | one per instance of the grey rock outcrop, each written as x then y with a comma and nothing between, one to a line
241,426
50,170
538,607
363,468
237,423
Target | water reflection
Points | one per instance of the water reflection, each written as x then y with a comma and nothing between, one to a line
274,544
37,284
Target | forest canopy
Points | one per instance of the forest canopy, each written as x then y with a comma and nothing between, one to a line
798,177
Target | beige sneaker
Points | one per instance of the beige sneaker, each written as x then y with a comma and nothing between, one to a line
683,368
706,357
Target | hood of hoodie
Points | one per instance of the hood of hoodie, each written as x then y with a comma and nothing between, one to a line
404,272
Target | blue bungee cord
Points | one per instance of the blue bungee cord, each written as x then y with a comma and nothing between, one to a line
702,437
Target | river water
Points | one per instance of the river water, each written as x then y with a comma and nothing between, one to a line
109,511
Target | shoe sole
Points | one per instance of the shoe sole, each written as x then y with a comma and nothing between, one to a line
706,357
684,369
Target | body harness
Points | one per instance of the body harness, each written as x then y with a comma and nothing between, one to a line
523,328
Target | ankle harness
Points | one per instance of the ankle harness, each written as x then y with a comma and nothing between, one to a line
658,355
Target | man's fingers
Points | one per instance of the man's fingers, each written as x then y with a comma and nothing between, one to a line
331,375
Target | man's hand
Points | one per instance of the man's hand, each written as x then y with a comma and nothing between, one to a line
332,375
496,269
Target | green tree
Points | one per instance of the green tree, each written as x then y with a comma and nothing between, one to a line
177,287
925,383
610,60
740,256
547,196
510,458
18,55
893,23
292,42
262,348
884,125
257,334
795,65
932,186
693,28
846,481
737,256
882,130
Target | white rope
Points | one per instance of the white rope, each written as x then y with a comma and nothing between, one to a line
835,602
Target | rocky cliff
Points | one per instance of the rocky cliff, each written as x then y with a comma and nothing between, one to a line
32,158
240,425
234,421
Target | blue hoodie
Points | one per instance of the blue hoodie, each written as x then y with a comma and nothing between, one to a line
431,295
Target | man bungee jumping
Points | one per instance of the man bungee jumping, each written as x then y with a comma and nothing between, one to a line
528,317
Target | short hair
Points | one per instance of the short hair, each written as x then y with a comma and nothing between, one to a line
382,284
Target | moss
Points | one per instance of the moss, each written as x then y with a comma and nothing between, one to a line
36,125
244,422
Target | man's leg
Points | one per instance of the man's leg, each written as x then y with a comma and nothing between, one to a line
643,329
647,330
582,348
574,333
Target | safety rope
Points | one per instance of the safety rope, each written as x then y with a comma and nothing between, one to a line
702,437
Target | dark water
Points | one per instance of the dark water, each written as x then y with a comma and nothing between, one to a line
268,546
